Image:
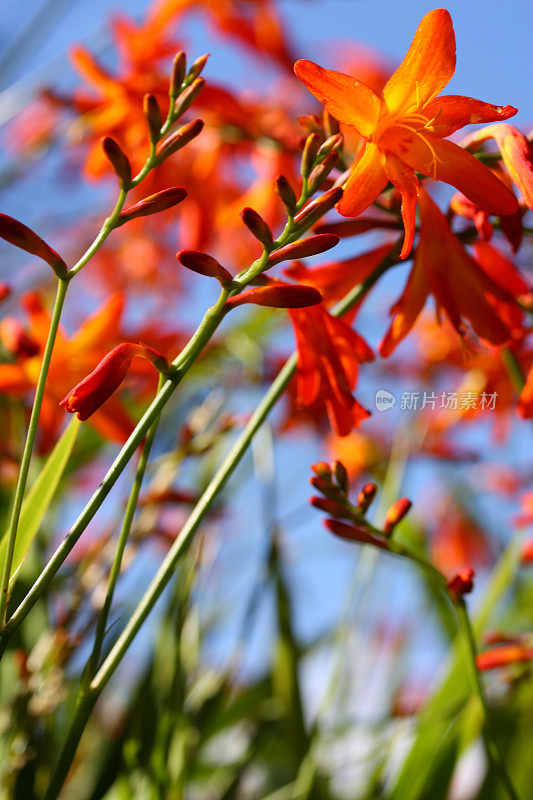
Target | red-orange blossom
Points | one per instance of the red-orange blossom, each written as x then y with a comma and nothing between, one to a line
403,128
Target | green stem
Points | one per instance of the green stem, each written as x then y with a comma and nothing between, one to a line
168,566
133,498
62,287
218,481
491,743
513,369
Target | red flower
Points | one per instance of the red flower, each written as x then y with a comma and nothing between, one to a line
329,353
97,387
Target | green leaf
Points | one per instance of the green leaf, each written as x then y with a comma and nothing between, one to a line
41,494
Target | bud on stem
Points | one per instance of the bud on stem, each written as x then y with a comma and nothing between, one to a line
258,227
188,96
311,146
286,194
178,74
179,139
152,112
118,161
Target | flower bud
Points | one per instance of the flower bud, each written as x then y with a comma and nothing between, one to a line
179,139
321,172
258,227
188,96
395,514
354,227
97,387
462,583
332,143
317,208
331,507
322,469
152,204
303,248
286,194
20,235
197,67
277,295
152,112
5,291
178,74
325,486
118,161
341,476
331,125
366,496
311,146
354,533
206,265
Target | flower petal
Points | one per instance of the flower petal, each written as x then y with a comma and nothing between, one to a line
405,180
453,111
366,180
446,161
517,154
428,65
345,98
406,310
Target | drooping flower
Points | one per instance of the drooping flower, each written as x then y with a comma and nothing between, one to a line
329,354
96,388
460,286
404,126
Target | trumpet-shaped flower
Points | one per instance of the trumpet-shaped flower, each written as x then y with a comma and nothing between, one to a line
329,354
403,127
460,285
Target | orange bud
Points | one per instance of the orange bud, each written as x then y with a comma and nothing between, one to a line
503,656
178,74
286,194
277,295
303,248
354,533
197,67
462,583
188,96
324,486
315,210
20,235
152,112
395,514
311,146
258,227
88,395
118,161
322,469
179,139
366,496
152,204
206,265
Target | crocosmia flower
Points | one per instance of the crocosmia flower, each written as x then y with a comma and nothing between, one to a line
403,127
97,387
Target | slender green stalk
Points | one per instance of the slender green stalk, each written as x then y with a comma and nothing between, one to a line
28,446
491,743
513,369
218,481
133,498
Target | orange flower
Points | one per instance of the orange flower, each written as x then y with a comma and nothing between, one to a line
461,288
329,353
96,388
404,125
